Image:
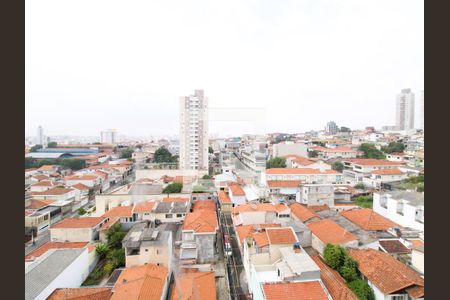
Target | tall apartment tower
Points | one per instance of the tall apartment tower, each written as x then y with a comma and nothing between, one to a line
194,132
40,138
108,136
331,127
405,110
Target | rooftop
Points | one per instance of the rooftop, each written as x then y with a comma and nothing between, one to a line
86,222
312,290
414,198
223,197
119,211
195,285
299,171
329,231
201,221
54,245
283,183
394,246
373,162
302,212
81,293
54,191
367,219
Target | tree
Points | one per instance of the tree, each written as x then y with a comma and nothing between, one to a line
334,256
276,162
393,147
30,163
173,188
52,145
198,188
35,148
101,250
345,129
338,166
210,150
360,186
361,289
115,235
370,151
127,153
349,269
72,163
117,257
81,211
108,268
364,201
313,153
206,177
163,155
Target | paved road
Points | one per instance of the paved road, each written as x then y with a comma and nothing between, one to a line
236,272
42,239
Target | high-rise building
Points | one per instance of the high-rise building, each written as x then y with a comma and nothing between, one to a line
194,132
405,110
40,138
422,112
108,136
331,127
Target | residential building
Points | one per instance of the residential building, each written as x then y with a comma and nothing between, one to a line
316,194
260,213
327,231
194,132
400,157
102,293
286,148
225,202
236,194
77,229
57,194
332,153
378,177
355,170
58,268
148,245
296,161
332,127
367,219
142,282
302,213
109,136
405,110
42,186
306,175
388,277
283,189
41,139
418,257
193,284
402,207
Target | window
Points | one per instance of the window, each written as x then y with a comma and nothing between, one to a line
45,217
168,216
146,214
399,297
146,250
157,251
179,215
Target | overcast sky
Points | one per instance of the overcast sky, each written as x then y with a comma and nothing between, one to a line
92,65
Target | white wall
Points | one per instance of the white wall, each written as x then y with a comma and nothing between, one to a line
417,260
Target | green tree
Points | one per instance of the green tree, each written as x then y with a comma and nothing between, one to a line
52,145
198,188
361,289
163,155
81,211
101,250
349,269
73,163
108,268
334,256
360,186
276,162
127,153
394,147
117,257
206,177
115,235
370,151
364,201
30,163
338,166
210,150
35,148
313,153
173,188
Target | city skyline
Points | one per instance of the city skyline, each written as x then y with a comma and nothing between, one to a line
289,59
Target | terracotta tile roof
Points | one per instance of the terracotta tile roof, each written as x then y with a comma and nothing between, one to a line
175,199
82,177
201,221
394,247
119,211
44,183
367,219
281,236
249,207
109,223
101,173
317,208
299,171
81,293
40,177
86,222
302,212
37,203
261,239
30,169
46,168
80,186
244,231
54,191
386,273
333,281
142,282
306,290
146,206
195,285
224,198
204,204
304,161
54,245
416,243
236,190
338,149
373,162
184,179
283,183
329,231
393,171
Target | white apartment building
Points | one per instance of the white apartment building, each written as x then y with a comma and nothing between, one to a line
108,136
404,208
40,137
194,132
405,110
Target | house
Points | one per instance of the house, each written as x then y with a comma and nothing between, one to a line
236,194
245,231
148,245
57,193
123,213
170,211
400,157
333,281
48,169
36,222
327,231
402,207
378,177
39,177
193,284
91,180
225,202
332,153
77,229
295,290
367,219
358,168
143,210
142,282
295,161
418,256
35,204
306,175
81,293
389,278
58,268
261,213
302,213
284,188
42,186
316,194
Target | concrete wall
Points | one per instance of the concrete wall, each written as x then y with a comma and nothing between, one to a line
153,254
206,247
417,260
157,174
300,149
72,234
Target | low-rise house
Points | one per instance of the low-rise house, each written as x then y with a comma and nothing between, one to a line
36,222
367,219
148,245
306,175
225,202
355,170
42,186
77,229
58,193
58,268
123,213
171,212
337,152
91,180
295,290
295,161
418,257
287,189
142,282
261,213
400,157
39,177
327,231
245,231
48,169
302,213
193,284
402,207
378,177
389,278
236,194
81,293
143,210
316,194
199,236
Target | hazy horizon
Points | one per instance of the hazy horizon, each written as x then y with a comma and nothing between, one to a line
94,65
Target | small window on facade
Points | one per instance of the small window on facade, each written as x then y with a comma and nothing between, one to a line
146,250
157,251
